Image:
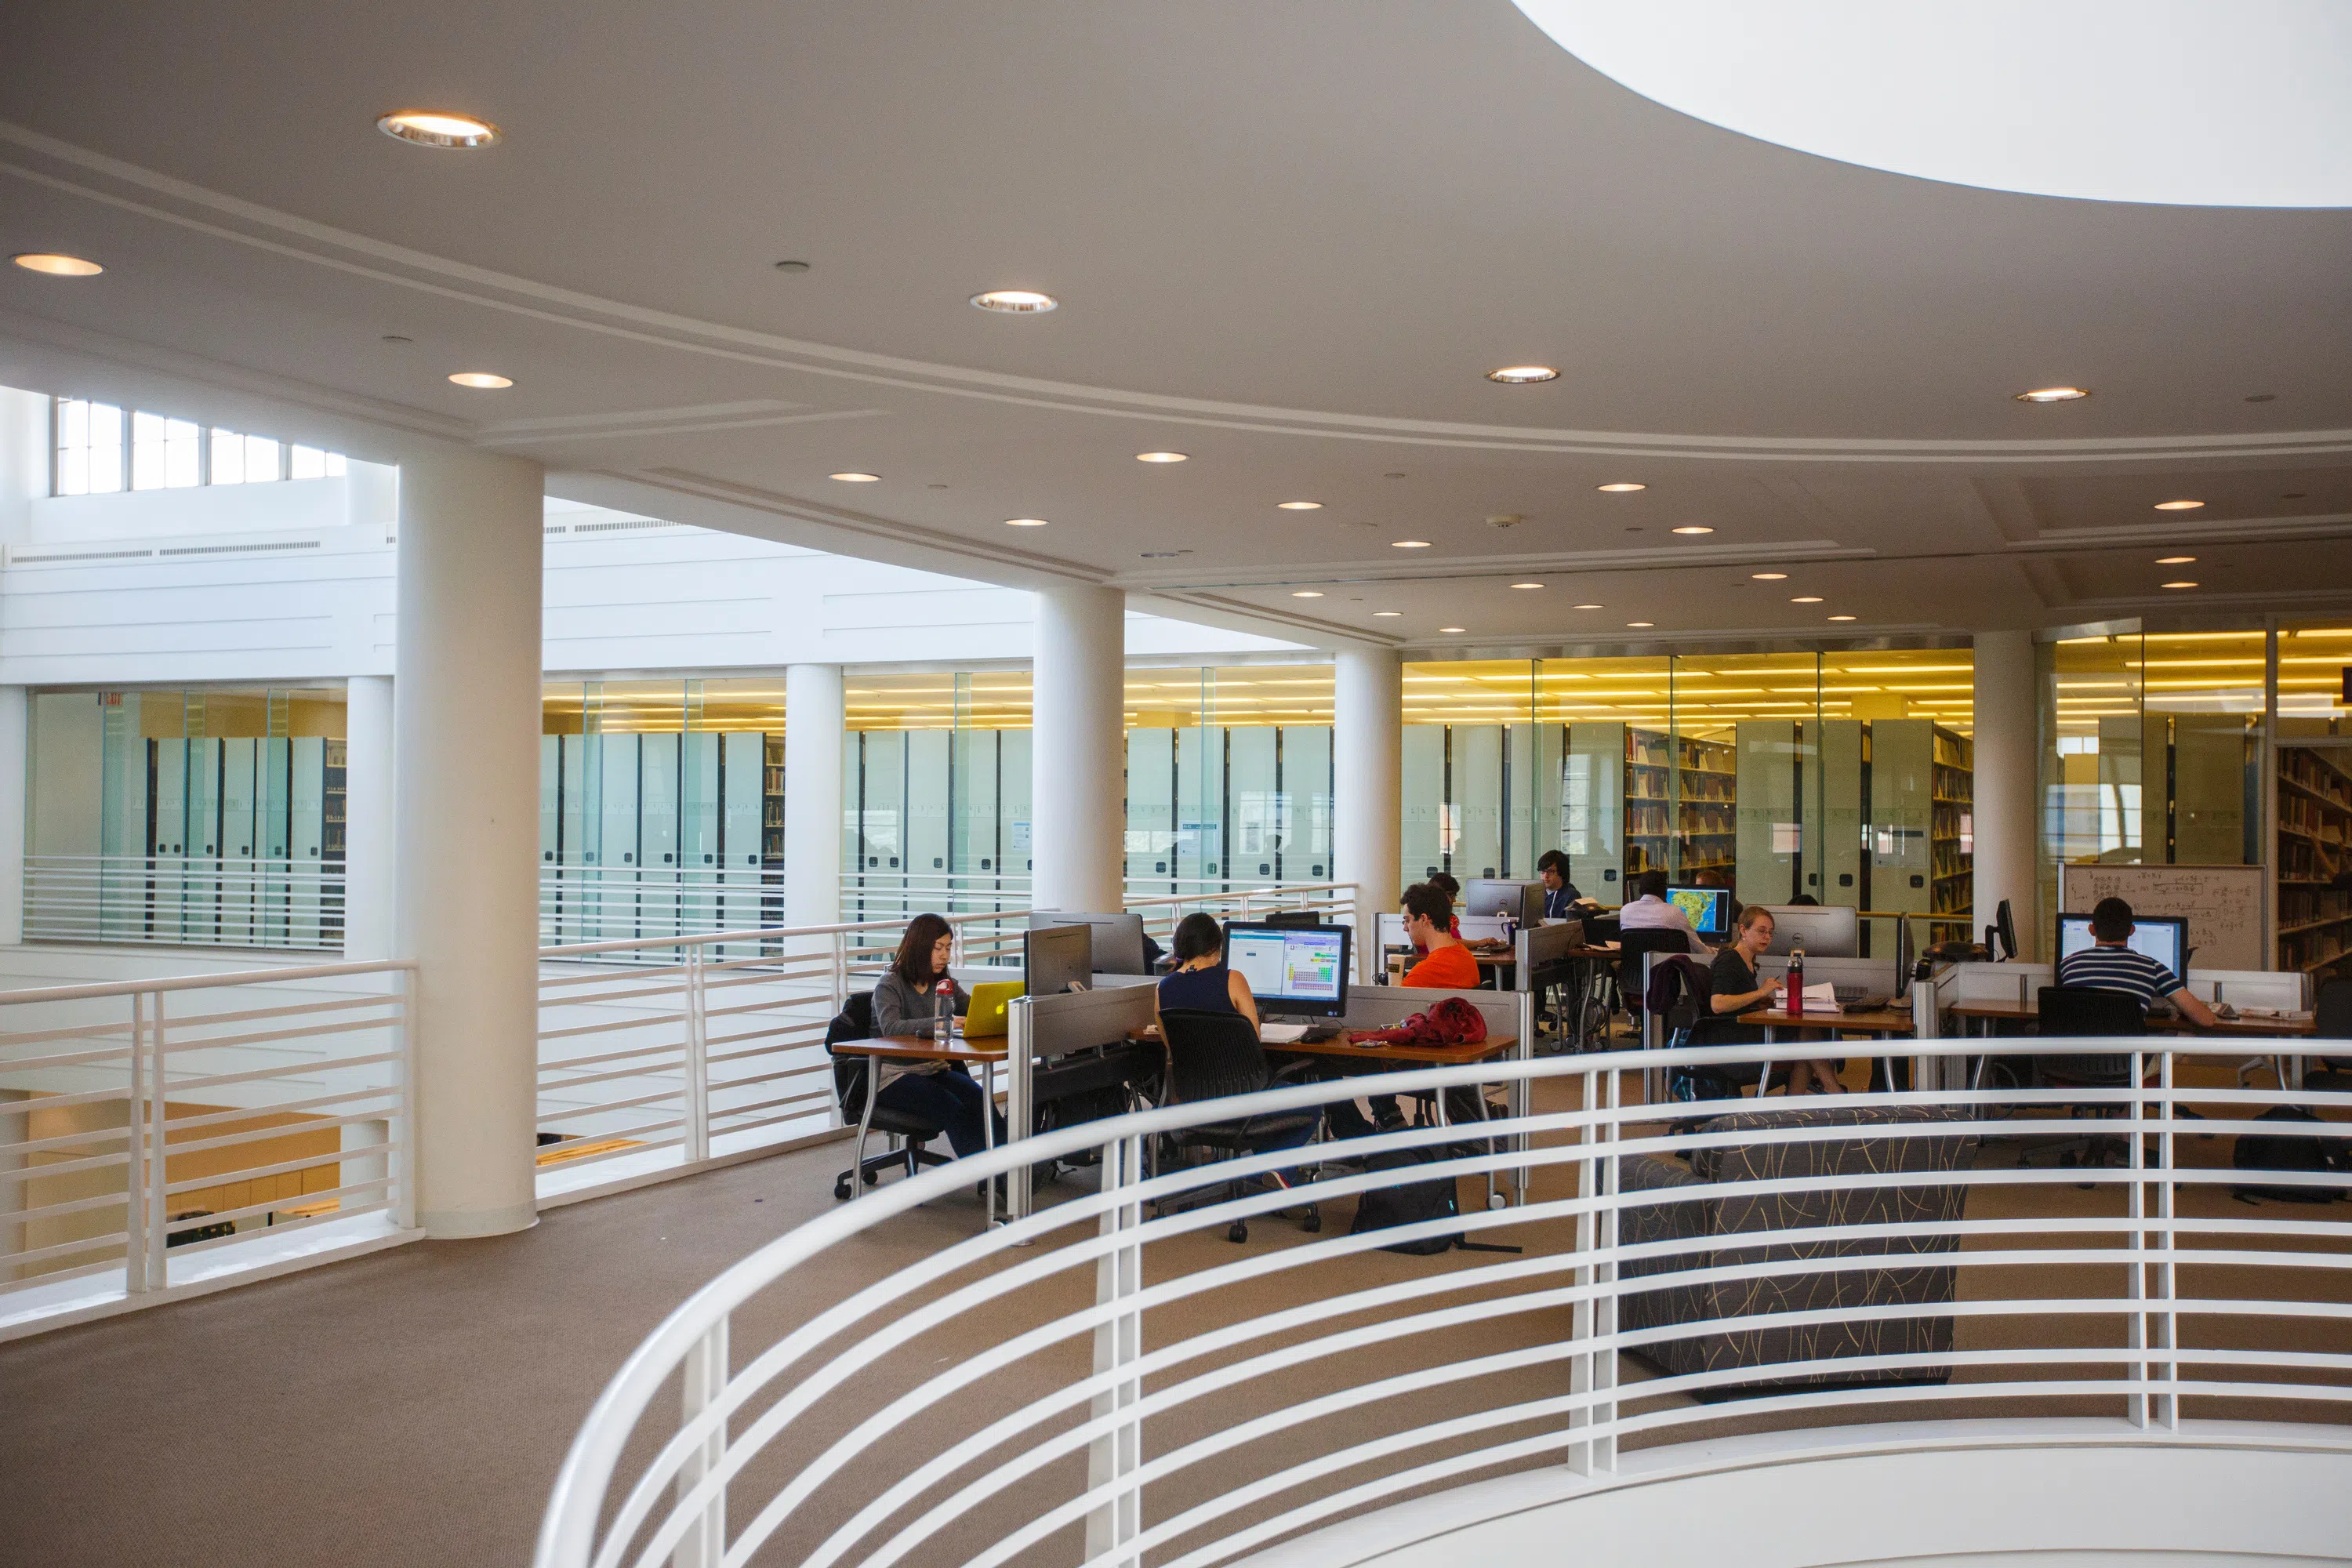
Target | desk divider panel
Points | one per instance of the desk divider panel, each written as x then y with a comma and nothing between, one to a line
1039,1029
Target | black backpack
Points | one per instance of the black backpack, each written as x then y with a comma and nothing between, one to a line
2290,1151
1408,1203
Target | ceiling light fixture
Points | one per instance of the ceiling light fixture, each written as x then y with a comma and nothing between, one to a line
1162,457
1388,613
1298,506
481,380
1693,528
2175,560
1451,629
1016,301
1841,618
2180,585
1526,585
1621,487
791,267
2178,505
1640,623
1806,599
1523,375
1410,544
1307,593
1767,577
1024,522
2054,394
1587,607
51,264
433,128
856,478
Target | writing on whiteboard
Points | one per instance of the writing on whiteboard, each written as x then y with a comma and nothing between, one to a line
2223,904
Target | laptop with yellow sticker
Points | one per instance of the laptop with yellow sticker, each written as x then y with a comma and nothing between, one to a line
987,1014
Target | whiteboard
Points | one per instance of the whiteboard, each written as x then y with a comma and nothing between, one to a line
2223,904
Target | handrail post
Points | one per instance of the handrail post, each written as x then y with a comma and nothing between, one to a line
159,1212
698,1062
1114,1458
704,1374
134,1144
404,1158
1605,1315
2139,1325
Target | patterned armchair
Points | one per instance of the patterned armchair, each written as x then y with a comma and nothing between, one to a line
1713,1222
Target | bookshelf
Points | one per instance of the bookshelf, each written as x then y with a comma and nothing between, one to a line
2315,845
1951,831
1680,800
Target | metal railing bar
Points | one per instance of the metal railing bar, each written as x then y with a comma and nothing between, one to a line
284,1070
208,982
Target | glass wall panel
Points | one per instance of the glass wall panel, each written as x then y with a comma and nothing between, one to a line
1591,711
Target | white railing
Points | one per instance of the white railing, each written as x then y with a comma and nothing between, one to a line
657,1055
158,1132
184,901
983,1406
622,903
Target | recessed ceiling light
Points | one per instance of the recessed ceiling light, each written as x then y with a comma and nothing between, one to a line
1162,457
1411,544
1526,585
1621,487
1016,301
2180,585
56,266
1024,522
1769,576
1307,593
791,267
1388,612
396,338
2178,505
2264,397
1841,618
1640,623
433,128
1587,607
856,478
2054,394
481,380
1523,375
1450,628
2174,560
1693,528
1807,599
1299,505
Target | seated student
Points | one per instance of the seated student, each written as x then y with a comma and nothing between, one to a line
1200,980
1737,989
2111,964
1649,911
904,1004
1560,895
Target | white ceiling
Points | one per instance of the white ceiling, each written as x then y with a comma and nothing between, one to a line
1290,238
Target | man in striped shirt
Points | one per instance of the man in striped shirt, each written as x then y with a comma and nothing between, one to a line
2112,965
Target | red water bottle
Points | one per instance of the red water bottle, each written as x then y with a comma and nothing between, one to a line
1795,1006
943,1011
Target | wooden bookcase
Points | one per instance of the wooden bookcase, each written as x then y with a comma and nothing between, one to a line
1952,827
2315,845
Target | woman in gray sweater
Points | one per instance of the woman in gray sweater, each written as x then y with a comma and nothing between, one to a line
905,1003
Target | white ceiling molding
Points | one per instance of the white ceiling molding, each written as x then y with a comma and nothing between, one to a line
1415,566
2215,531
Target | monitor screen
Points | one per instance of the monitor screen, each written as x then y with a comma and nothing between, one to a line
1292,969
1118,938
1503,896
2164,938
1823,930
1054,958
1710,909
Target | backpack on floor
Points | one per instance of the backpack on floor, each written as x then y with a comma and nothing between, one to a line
1407,1203
2290,1151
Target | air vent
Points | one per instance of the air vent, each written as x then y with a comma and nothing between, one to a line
558,527
612,527
83,555
240,549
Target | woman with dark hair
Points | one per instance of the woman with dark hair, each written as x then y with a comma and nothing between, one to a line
905,1003
1201,979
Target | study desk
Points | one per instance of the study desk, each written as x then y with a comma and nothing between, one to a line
915,1049
1883,1024
1989,1014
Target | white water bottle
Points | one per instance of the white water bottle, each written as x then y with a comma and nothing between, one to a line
943,1010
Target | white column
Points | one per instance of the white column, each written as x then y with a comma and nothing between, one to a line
1078,767
368,817
2008,756
15,717
466,699
812,726
1367,767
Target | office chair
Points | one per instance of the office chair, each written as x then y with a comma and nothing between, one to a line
908,1134
1635,943
1293,918
2081,1010
2331,1019
1215,1055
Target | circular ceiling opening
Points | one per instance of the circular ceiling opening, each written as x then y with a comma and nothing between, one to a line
2178,103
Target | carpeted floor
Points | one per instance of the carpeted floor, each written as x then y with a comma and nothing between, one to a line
411,1407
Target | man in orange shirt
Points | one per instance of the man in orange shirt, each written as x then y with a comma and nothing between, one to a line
1429,922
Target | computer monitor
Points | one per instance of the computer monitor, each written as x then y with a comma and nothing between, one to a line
1823,930
1299,971
2004,927
1055,958
1710,909
1523,902
2164,938
1119,938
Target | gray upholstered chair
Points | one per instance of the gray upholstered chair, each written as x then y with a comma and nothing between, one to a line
1713,1224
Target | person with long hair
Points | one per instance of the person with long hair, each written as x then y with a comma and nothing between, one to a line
905,1003
1202,980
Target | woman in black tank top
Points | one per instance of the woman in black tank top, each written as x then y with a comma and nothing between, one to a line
1200,980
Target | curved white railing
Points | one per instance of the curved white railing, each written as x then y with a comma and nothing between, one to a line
985,1405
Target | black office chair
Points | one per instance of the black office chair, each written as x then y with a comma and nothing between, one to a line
2331,1020
908,1134
1211,1056
2081,1010
1295,918
1635,944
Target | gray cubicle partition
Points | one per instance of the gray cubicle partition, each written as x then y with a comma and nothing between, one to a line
1040,1029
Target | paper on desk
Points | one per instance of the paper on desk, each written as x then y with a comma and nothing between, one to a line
1822,994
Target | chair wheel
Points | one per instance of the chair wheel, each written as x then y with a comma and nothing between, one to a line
1237,1232
872,1177
1311,1223
1497,1201
841,1188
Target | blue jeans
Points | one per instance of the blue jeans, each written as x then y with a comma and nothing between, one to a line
950,1099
